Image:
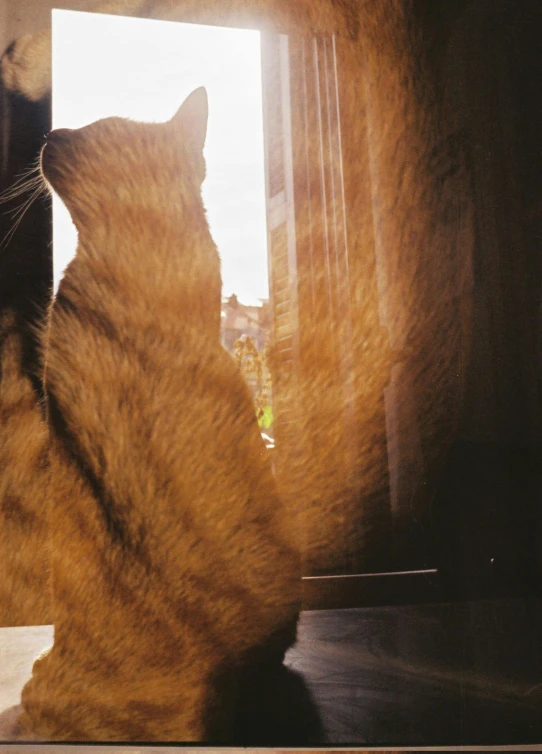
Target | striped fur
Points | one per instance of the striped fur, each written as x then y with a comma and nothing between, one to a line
166,525
25,594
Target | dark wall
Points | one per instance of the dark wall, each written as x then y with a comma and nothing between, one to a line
489,500
26,253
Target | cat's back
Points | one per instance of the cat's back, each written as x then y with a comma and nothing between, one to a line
25,592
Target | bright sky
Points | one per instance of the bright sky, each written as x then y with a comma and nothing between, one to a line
141,69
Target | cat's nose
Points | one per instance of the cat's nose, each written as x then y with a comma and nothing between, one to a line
59,136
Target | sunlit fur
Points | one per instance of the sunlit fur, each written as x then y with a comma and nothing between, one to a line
173,559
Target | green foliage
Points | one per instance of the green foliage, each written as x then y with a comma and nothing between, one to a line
253,365
266,417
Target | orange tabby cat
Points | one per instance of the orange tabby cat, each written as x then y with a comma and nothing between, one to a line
166,526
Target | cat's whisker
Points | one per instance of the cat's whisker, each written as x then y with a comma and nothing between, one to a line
30,182
25,182
29,170
14,193
32,167
22,208
21,212
16,211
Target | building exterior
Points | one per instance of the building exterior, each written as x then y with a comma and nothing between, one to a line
239,320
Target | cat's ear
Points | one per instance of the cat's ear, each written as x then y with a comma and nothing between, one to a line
191,118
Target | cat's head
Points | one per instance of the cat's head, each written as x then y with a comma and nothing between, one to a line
121,163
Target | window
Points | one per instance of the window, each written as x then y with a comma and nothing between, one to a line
111,65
